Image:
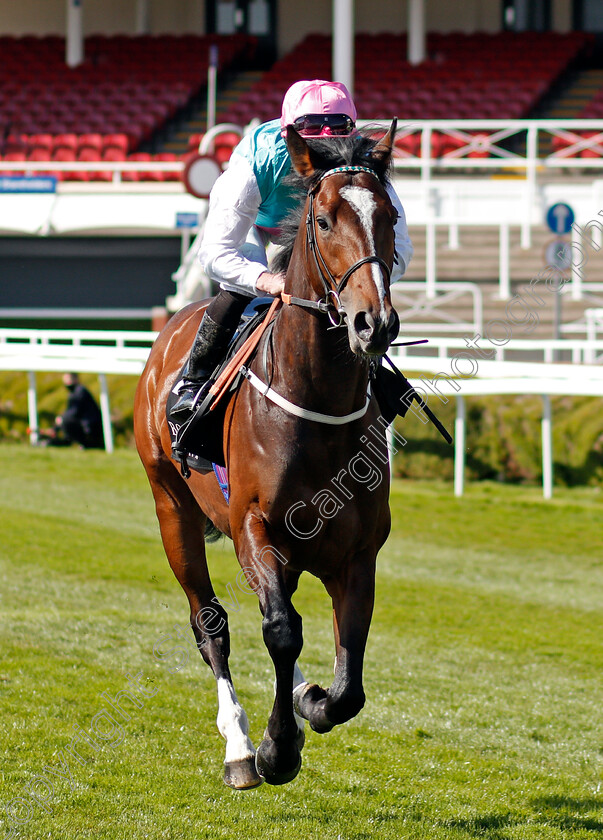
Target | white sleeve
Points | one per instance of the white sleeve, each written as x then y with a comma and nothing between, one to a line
233,206
404,249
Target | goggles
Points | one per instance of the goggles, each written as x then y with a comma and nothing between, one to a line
324,125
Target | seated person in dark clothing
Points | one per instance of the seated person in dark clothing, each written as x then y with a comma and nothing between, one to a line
81,422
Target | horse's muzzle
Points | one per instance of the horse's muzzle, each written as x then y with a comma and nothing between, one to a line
375,334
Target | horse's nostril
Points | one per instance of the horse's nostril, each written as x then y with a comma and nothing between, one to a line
364,324
393,326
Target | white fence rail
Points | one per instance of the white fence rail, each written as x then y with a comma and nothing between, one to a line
126,352
500,379
545,350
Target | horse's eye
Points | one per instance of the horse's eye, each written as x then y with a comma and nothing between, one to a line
322,223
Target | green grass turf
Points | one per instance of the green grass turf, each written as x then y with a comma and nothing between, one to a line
483,670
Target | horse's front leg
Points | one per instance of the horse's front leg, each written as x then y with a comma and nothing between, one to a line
182,523
353,597
278,757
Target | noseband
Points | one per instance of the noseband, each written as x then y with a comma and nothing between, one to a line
333,288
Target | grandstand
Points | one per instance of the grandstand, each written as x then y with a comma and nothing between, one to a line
133,93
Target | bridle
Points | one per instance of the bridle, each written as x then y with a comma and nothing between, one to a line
331,304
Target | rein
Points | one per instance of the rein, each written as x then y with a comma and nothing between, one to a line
332,291
332,287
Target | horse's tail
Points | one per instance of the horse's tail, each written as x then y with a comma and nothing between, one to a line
212,533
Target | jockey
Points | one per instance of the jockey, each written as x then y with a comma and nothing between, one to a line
246,207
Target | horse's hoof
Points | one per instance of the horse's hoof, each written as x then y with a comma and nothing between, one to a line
265,764
307,702
298,693
242,775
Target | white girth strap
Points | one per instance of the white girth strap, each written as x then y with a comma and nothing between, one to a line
296,410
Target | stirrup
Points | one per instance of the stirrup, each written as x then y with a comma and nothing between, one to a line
190,394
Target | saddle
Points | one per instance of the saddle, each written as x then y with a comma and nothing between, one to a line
197,443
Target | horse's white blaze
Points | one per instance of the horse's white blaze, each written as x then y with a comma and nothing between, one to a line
363,202
232,723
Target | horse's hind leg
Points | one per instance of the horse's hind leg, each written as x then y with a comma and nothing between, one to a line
353,598
182,526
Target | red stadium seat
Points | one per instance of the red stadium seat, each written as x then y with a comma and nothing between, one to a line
63,153
91,141
67,142
120,142
39,153
111,153
87,153
193,142
42,143
13,157
16,143
171,157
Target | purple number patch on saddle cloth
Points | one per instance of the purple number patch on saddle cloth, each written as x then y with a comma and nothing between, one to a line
222,477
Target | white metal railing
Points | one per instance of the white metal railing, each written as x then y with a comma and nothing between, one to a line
589,321
38,167
421,304
478,144
594,324
76,338
488,139
580,351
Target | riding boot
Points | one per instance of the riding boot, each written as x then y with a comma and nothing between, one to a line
216,329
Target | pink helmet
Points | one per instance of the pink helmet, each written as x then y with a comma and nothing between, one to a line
315,98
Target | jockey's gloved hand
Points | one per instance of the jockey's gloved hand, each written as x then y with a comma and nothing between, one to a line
272,284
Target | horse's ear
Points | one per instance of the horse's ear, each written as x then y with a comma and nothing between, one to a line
383,150
299,152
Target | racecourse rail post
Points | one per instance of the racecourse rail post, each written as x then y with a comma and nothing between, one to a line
32,407
459,446
106,413
547,447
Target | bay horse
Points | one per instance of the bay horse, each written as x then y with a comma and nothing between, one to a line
309,486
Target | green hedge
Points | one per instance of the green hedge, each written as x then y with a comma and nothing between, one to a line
503,441
502,437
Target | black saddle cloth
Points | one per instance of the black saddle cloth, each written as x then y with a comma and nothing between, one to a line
203,444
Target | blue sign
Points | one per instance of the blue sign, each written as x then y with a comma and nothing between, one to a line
28,184
187,220
560,218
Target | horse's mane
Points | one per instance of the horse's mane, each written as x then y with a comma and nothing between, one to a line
327,153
